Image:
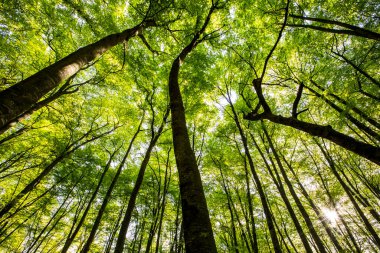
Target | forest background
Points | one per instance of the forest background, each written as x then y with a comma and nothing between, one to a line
120,120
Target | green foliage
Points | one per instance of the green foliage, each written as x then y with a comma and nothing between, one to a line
129,83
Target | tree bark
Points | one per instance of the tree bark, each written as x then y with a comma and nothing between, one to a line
196,221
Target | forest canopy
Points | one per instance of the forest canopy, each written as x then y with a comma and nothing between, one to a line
189,126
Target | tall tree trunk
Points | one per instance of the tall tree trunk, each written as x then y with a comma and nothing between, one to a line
260,189
72,236
107,197
115,228
299,204
280,187
136,188
22,96
196,221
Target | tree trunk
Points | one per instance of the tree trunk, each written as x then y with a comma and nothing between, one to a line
196,221
107,197
20,97
136,188
299,204
72,236
280,187
263,198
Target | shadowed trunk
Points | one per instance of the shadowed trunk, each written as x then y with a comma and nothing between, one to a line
196,221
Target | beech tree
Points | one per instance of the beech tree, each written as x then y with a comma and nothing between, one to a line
189,126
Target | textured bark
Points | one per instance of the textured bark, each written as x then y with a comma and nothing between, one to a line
20,97
196,221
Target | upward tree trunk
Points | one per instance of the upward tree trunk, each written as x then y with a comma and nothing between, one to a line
260,189
196,221
132,199
20,97
277,181
72,236
106,199
299,204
